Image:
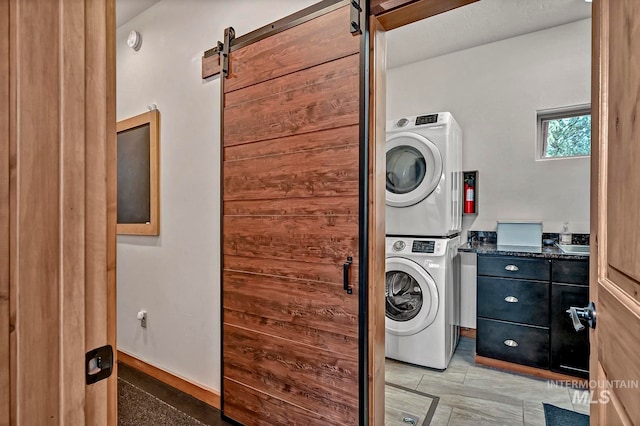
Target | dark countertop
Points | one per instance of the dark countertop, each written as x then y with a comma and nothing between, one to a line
550,252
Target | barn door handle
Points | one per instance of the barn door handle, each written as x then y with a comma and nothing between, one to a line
345,275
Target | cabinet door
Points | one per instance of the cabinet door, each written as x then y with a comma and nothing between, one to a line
570,271
569,348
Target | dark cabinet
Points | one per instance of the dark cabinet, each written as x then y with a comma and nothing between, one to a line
522,317
569,348
513,309
570,272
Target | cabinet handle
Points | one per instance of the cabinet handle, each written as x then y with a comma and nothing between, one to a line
511,343
511,299
511,268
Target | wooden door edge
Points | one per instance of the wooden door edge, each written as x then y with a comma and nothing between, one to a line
598,209
112,200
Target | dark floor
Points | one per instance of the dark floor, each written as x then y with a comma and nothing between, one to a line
463,394
145,401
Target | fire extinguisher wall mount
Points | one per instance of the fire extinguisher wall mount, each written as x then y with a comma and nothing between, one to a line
470,195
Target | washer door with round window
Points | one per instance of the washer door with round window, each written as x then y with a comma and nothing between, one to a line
411,297
414,169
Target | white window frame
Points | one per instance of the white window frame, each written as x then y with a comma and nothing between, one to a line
555,114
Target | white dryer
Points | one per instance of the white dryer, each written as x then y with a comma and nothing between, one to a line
424,176
422,300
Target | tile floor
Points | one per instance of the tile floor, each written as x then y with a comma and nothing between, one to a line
469,394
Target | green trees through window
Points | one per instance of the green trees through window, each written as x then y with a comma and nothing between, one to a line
568,136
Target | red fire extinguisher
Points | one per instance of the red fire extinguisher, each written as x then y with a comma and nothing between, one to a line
469,200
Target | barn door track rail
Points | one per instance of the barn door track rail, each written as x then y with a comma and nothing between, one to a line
215,60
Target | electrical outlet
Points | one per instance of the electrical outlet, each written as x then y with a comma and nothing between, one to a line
142,316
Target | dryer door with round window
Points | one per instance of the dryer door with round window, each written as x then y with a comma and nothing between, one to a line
414,169
411,297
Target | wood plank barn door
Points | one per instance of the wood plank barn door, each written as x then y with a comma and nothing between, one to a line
294,222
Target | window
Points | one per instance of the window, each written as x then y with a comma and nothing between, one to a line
564,133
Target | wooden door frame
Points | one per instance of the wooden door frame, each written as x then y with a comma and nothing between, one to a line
398,13
394,14
5,294
377,234
599,129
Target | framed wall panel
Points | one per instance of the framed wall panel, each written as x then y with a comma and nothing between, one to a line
138,147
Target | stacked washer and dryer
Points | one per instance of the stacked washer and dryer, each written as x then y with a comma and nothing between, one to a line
424,219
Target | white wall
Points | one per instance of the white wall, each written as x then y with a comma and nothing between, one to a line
494,92
175,276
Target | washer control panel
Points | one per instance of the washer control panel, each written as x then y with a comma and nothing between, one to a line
423,246
426,119
431,247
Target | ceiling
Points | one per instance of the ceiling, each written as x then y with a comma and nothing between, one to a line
129,9
479,23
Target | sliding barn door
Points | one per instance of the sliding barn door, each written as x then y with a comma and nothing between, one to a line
293,223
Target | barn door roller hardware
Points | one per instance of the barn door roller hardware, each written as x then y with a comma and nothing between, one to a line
229,34
214,50
356,9
223,49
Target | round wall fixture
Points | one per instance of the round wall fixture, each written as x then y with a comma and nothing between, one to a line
134,40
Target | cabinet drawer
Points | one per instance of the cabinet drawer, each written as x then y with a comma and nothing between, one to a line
520,344
570,271
513,300
514,267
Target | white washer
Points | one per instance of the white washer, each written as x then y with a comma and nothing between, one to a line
424,176
422,300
